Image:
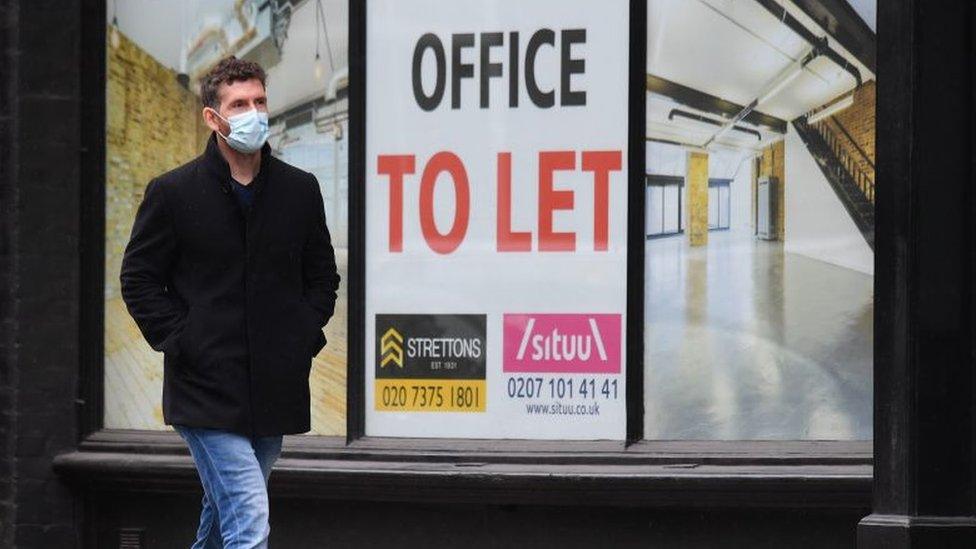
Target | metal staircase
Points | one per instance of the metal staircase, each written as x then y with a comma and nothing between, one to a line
848,170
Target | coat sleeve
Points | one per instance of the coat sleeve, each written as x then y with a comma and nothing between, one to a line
321,277
146,265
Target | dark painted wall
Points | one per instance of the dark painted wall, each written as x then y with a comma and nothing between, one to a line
39,267
169,520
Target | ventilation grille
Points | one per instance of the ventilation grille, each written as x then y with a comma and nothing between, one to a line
130,538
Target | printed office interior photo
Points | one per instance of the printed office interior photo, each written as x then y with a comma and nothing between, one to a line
156,53
759,225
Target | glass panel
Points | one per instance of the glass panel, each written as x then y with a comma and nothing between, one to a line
760,328
713,207
655,210
156,53
722,200
663,206
672,208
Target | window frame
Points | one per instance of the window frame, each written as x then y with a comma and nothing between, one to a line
637,100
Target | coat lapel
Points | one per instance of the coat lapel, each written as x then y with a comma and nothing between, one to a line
217,166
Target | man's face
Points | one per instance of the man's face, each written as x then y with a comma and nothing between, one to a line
235,98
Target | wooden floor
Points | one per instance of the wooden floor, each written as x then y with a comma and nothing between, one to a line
134,372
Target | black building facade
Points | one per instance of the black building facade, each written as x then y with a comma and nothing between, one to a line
66,481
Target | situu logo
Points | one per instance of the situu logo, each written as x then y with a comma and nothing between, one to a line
563,343
556,346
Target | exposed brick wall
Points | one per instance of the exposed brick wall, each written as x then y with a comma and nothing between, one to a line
696,181
859,118
854,128
153,125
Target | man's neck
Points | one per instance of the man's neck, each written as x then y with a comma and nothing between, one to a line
243,166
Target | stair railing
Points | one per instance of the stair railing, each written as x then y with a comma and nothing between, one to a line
853,164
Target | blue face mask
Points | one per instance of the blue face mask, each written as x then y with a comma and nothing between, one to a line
248,130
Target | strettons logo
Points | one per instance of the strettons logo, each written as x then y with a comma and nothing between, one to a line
430,363
562,343
430,346
391,348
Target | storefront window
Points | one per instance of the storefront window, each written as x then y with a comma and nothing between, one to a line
484,206
759,305
155,55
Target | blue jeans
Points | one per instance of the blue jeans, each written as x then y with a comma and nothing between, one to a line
234,471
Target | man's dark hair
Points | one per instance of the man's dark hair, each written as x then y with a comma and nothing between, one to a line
228,70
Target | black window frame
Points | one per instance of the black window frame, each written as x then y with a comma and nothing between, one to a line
834,474
637,99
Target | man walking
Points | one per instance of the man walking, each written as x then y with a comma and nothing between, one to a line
230,272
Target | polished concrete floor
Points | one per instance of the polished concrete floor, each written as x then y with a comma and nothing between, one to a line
746,342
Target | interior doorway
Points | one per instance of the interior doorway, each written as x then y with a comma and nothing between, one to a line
664,204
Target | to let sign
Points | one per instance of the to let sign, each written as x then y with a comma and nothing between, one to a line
496,186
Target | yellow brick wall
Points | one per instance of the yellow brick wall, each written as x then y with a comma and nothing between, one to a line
152,125
696,180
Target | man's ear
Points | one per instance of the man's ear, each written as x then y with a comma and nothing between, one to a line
211,119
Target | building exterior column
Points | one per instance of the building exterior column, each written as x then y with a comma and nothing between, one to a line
925,311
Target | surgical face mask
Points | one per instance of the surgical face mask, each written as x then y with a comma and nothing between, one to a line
248,130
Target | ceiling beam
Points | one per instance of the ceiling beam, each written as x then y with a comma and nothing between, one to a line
844,25
769,91
817,42
711,121
706,102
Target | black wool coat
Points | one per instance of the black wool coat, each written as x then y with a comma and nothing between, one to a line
235,300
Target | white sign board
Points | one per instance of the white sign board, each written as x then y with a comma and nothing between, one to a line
496,211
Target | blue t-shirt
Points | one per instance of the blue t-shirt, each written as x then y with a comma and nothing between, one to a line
245,193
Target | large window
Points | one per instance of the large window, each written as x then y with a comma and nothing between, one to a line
664,195
156,53
719,203
506,185
758,314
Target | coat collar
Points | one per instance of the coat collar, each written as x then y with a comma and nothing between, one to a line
217,164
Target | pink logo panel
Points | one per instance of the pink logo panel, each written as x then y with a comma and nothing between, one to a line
562,343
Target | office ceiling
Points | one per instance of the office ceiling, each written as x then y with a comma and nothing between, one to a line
162,28
734,50
730,49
